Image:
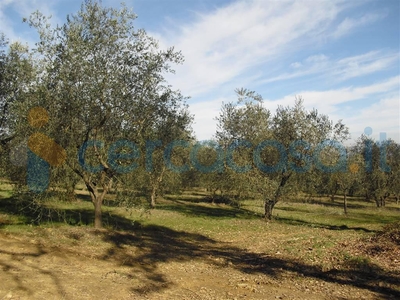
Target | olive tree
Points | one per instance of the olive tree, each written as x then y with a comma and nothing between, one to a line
276,148
16,76
380,173
102,83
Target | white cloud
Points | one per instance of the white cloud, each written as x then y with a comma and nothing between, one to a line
317,58
226,46
231,40
206,111
362,65
296,65
340,69
349,24
327,100
383,115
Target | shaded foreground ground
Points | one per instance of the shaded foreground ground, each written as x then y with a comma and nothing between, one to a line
218,253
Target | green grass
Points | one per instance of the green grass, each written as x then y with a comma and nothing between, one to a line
297,226
361,215
5,189
190,211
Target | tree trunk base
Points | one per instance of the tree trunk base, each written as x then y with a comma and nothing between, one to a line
268,207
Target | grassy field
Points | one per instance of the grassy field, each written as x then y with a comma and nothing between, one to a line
188,248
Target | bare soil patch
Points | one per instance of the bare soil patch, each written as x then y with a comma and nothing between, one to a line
155,262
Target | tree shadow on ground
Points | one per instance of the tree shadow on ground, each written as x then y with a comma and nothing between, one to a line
217,211
326,204
17,262
204,198
396,209
339,203
298,222
158,244
30,211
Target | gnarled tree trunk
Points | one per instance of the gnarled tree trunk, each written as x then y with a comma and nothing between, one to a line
153,196
268,207
97,197
97,200
155,185
333,192
269,204
98,220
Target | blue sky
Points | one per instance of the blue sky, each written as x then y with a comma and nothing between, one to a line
342,57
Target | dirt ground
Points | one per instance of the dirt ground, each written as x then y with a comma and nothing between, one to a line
159,263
